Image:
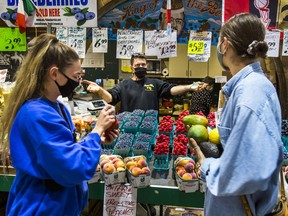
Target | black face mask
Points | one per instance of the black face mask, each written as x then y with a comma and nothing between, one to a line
140,72
67,89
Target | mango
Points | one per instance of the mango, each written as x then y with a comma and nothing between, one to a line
195,120
199,133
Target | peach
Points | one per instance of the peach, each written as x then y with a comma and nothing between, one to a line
131,164
194,176
109,167
187,176
181,172
145,170
189,167
116,159
185,161
120,169
119,163
141,163
136,171
103,162
177,168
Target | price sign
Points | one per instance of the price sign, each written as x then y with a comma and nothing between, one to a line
100,40
273,40
195,47
128,42
285,43
77,40
12,40
120,200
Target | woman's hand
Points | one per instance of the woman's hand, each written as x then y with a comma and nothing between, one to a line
112,135
194,147
105,119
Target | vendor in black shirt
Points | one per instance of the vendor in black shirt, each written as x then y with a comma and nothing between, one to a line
139,92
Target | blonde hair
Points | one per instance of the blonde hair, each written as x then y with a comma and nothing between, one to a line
43,52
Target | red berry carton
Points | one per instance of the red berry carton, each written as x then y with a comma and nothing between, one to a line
186,176
138,172
113,169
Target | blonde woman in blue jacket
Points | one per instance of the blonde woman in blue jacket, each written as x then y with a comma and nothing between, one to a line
52,169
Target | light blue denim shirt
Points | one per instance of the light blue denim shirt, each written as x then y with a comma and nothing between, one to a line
250,132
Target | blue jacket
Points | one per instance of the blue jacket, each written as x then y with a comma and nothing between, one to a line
43,147
250,132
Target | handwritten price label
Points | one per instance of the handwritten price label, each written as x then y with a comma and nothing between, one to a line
120,200
196,47
12,40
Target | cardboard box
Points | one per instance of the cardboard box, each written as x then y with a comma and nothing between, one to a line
114,178
96,177
189,186
183,211
139,181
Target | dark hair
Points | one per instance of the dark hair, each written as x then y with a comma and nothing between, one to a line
137,55
246,33
209,80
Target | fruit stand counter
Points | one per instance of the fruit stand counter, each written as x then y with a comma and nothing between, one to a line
159,193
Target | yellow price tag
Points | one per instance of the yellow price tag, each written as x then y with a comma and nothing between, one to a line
195,47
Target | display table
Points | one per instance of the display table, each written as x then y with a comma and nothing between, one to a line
157,194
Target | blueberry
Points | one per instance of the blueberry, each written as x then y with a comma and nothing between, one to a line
89,15
5,16
75,10
14,16
79,16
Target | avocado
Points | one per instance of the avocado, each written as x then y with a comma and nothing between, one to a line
195,120
210,149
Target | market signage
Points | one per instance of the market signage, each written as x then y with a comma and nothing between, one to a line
128,42
159,43
70,13
12,40
74,37
120,200
199,46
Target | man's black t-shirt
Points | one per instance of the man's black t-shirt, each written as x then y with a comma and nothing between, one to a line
141,94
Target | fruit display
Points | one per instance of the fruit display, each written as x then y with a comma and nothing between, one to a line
166,124
121,117
162,145
186,177
180,145
148,124
112,163
113,169
140,148
138,112
138,172
151,112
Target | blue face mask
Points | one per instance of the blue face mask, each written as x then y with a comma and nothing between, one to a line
220,57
